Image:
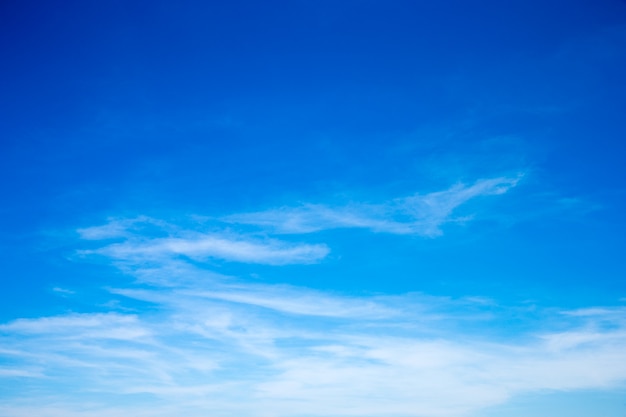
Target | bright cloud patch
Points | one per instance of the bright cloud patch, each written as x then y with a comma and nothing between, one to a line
217,347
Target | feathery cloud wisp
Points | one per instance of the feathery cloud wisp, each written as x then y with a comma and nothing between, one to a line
420,214
199,246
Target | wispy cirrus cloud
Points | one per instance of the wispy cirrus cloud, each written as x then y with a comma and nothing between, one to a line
237,348
420,214
124,228
148,239
280,299
164,241
96,325
184,339
268,251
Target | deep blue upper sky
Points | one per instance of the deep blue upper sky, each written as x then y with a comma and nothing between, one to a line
208,107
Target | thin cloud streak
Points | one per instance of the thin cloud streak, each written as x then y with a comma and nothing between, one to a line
269,252
199,246
419,214
295,301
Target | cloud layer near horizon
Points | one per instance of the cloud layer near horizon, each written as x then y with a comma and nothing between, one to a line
183,339
223,347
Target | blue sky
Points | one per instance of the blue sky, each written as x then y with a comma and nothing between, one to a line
312,208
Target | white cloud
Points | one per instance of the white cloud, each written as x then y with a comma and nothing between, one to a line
220,348
199,343
108,326
120,228
64,292
238,249
296,301
24,373
139,244
420,214
148,239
